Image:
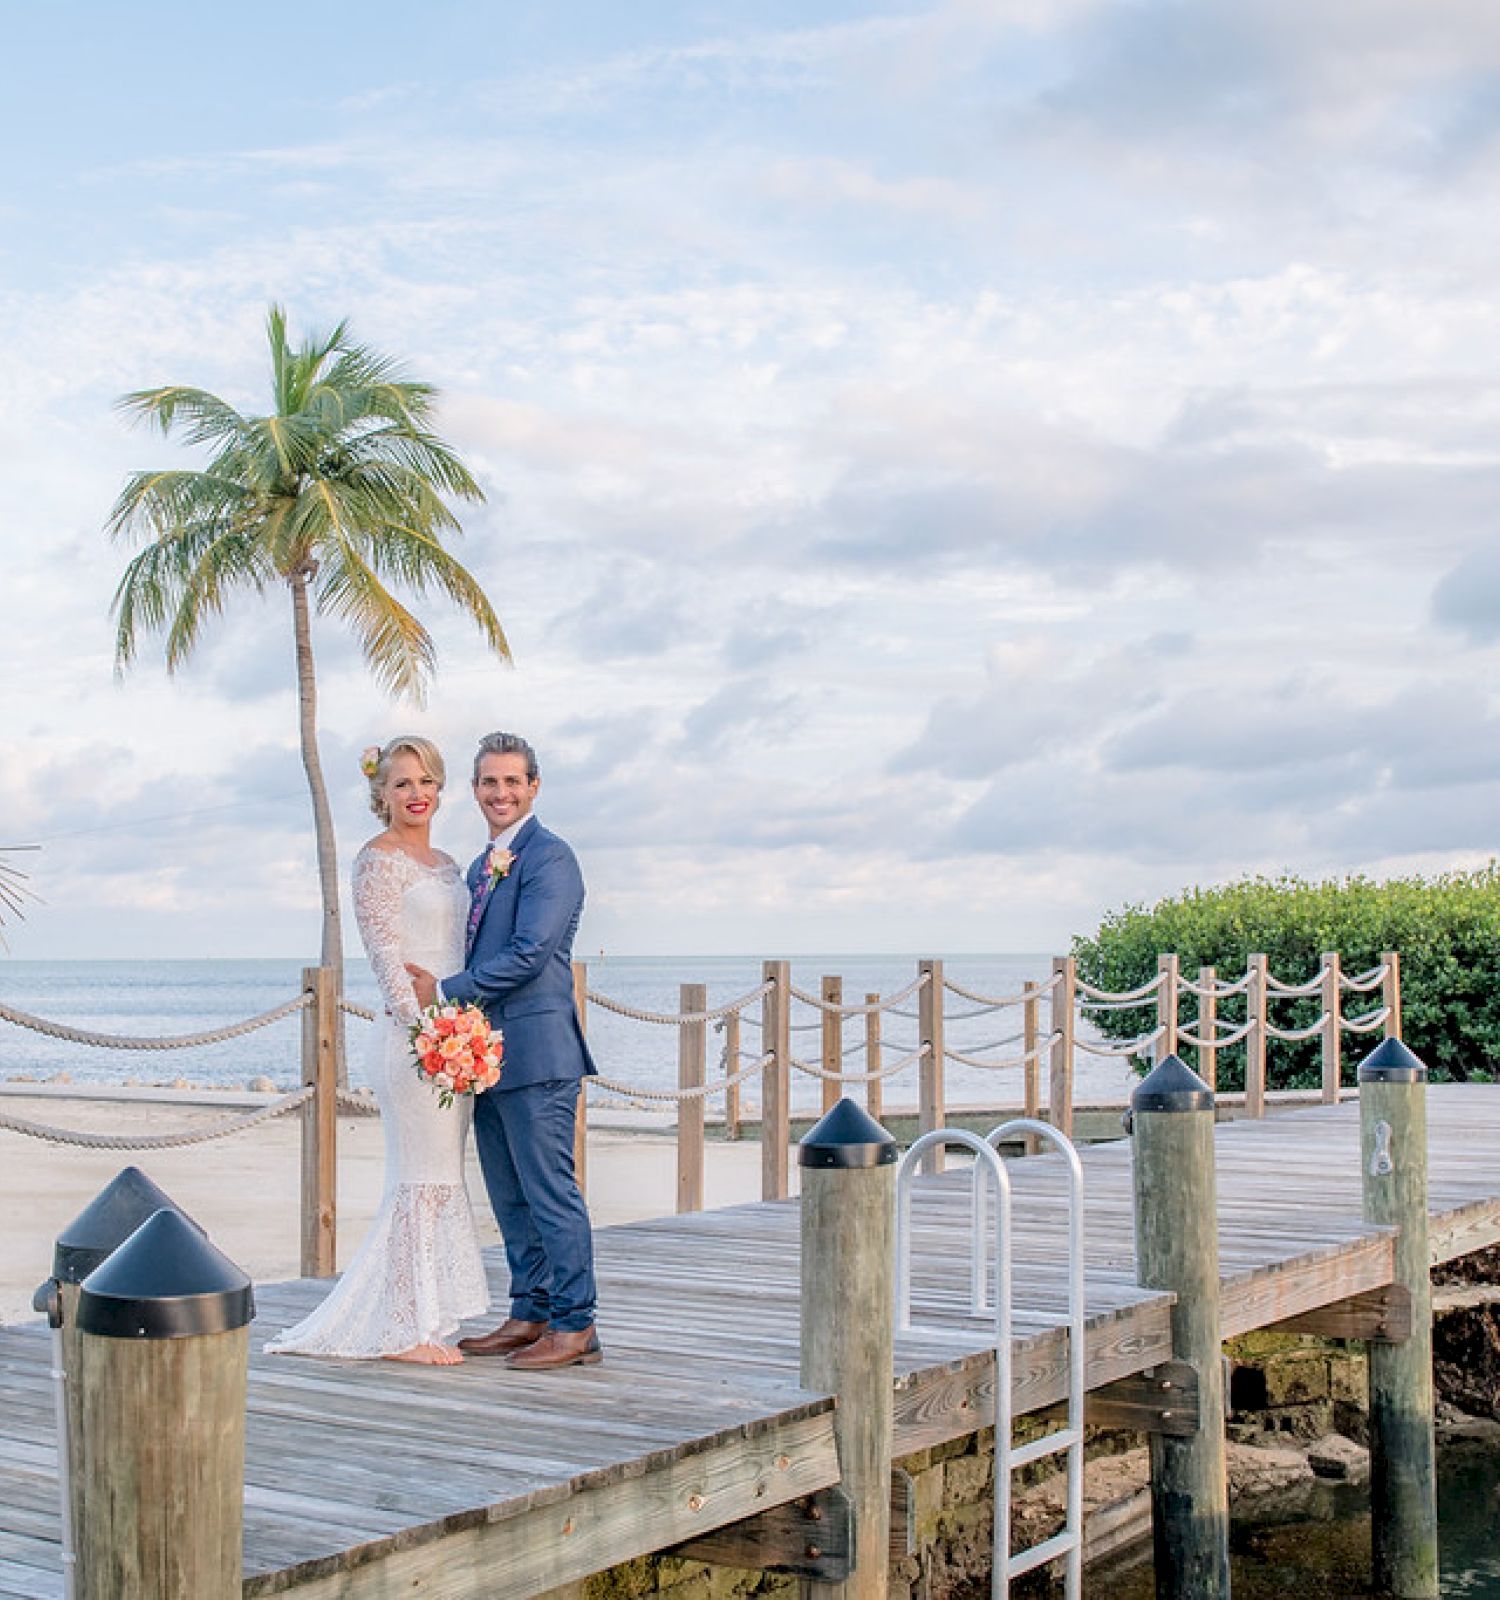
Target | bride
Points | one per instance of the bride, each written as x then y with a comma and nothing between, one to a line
418,1272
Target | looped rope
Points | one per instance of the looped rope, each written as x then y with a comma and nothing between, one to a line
814,1071
867,1007
1369,1022
1220,1041
677,1018
114,1041
1218,989
1145,990
1277,990
1037,1053
999,1002
635,1091
156,1141
1364,982
363,1105
356,1011
1293,1035
1134,1048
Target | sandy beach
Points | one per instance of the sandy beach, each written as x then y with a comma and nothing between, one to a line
244,1188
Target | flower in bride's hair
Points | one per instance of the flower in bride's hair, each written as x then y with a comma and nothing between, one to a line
369,760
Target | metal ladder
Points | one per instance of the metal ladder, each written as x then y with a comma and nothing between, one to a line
990,1176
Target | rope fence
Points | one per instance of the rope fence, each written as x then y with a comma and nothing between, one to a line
1056,1026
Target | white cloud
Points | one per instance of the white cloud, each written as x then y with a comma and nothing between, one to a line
956,461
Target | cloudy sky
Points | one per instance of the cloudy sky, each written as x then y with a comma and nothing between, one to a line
951,469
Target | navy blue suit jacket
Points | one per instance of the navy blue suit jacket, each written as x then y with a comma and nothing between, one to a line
520,966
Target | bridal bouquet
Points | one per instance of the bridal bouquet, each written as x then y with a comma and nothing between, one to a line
457,1050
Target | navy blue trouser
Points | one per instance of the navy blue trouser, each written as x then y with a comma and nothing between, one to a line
525,1142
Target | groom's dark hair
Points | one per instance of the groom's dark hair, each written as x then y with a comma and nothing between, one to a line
507,744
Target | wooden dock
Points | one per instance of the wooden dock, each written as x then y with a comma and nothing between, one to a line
369,1479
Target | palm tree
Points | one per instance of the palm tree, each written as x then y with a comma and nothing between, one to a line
336,493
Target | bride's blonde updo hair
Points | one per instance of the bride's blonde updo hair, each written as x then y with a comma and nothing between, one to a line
375,763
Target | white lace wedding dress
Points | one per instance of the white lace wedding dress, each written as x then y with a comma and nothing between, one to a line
418,1272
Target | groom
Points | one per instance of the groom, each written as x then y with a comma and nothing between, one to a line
526,898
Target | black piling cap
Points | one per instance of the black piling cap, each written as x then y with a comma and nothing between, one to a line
847,1136
165,1282
107,1222
1391,1062
1172,1085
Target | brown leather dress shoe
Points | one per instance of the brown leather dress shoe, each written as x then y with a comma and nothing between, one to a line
558,1349
511,1335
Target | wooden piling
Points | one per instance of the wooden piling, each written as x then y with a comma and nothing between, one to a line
731,1067
1177,1248
832,1034
775,1081
930,1108
1208,1025
1031,1069
162,1355
848,1301
692,1074
1403,1457
874,1087
1331,989
320,1034
1170,969
1060,1074
1390,993
1255,1041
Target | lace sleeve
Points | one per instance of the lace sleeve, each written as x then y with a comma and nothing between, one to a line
380,879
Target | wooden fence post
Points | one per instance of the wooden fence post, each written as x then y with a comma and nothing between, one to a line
874,1088
731,1066
1031,1070
1170,968
581,1124
833,1040
692,1073
1255,1040
1060,1078
848,1317
775,1081
1332,990
1403,1467
1177,1249
1390,993
1208,1026
320,1032
930,1107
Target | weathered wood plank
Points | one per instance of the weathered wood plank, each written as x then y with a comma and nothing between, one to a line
351,1465
1383,1314
570,1536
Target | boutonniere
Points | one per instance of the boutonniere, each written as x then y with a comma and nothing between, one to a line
499,864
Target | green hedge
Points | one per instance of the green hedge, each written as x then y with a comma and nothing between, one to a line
1446,930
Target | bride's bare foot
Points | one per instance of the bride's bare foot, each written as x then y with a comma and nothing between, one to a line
430,1355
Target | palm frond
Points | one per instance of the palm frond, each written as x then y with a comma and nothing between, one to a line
14,892
155,503
232,560
206,419
397,649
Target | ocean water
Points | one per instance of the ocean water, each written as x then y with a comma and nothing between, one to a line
163,998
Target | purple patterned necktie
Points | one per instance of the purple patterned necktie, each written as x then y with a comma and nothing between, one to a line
481,899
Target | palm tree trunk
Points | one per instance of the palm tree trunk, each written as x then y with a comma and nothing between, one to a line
332,950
